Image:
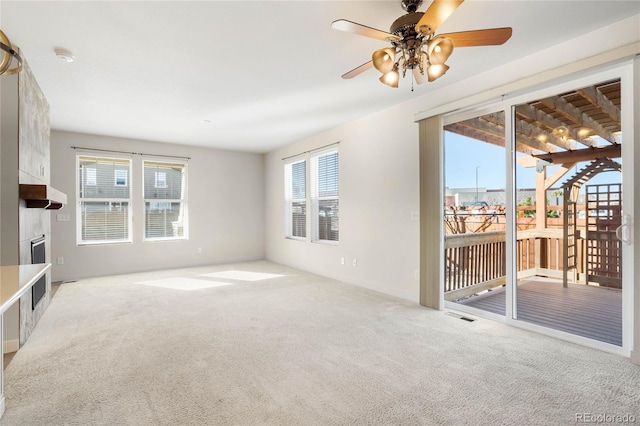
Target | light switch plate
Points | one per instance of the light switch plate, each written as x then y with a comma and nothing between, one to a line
63,217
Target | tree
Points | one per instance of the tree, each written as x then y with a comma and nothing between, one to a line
528,202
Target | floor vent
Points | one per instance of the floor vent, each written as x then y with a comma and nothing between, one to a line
451,314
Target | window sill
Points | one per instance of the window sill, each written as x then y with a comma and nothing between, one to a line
159,240
102,243
326,242
303,239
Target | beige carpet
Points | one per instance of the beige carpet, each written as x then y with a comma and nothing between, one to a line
297,349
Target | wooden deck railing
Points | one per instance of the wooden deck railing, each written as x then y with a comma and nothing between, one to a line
477,261
473,263
541,253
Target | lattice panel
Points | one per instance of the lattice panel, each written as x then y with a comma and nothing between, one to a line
604,250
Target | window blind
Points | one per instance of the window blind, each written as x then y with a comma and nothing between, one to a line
165,200
325,197
296,199
104,197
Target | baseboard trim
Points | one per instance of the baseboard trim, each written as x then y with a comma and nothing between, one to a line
10,346
1,405
635,357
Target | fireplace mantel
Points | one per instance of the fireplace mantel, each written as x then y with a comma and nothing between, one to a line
42,196
16,280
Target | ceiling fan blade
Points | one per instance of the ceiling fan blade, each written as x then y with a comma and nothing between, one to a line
489,37
363,30
436,14
358,70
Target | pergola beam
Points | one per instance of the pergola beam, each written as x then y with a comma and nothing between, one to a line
531,132
490,138
587,154
547,121
557,175
472,133
497,130
596,98
571,112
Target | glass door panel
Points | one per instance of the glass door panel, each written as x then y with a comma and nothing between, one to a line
474,213
569,204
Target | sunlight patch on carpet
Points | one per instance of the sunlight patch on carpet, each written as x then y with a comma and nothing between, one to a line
186,284
242,275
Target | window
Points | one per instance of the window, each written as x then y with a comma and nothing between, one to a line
321,194
161,179
165,200
324,196
91,178
104,204
120,177
296,199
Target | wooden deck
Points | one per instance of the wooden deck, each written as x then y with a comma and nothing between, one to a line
588,311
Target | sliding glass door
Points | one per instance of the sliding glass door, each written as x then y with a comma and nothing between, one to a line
569,205
474,212
536,211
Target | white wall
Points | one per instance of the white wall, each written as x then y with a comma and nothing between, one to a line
225,202
378,193
379,172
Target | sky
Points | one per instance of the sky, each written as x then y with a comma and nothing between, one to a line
463,155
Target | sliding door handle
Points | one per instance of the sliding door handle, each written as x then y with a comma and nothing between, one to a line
623,232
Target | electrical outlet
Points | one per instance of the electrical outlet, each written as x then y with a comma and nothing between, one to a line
342,260
415,215
60,261
63,217
355,262
416,274
199,250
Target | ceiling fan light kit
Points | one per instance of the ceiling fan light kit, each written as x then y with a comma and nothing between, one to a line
415,46
383,59
391,78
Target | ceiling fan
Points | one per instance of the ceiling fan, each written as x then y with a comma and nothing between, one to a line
414,44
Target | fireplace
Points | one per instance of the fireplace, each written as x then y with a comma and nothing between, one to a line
38,255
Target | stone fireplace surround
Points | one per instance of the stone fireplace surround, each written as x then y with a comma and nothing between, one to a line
25,160
34,165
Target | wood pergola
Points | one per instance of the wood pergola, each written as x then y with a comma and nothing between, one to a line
582,125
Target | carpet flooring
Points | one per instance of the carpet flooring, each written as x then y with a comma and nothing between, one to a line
265,344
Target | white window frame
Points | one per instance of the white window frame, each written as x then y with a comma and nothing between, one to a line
316,198
112,201
289,200
184,214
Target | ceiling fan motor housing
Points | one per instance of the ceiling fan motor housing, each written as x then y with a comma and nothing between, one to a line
410,5
406,23
404,27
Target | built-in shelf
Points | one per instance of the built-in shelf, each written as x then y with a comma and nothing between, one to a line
40,196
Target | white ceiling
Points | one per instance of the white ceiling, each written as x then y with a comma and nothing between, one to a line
250,76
